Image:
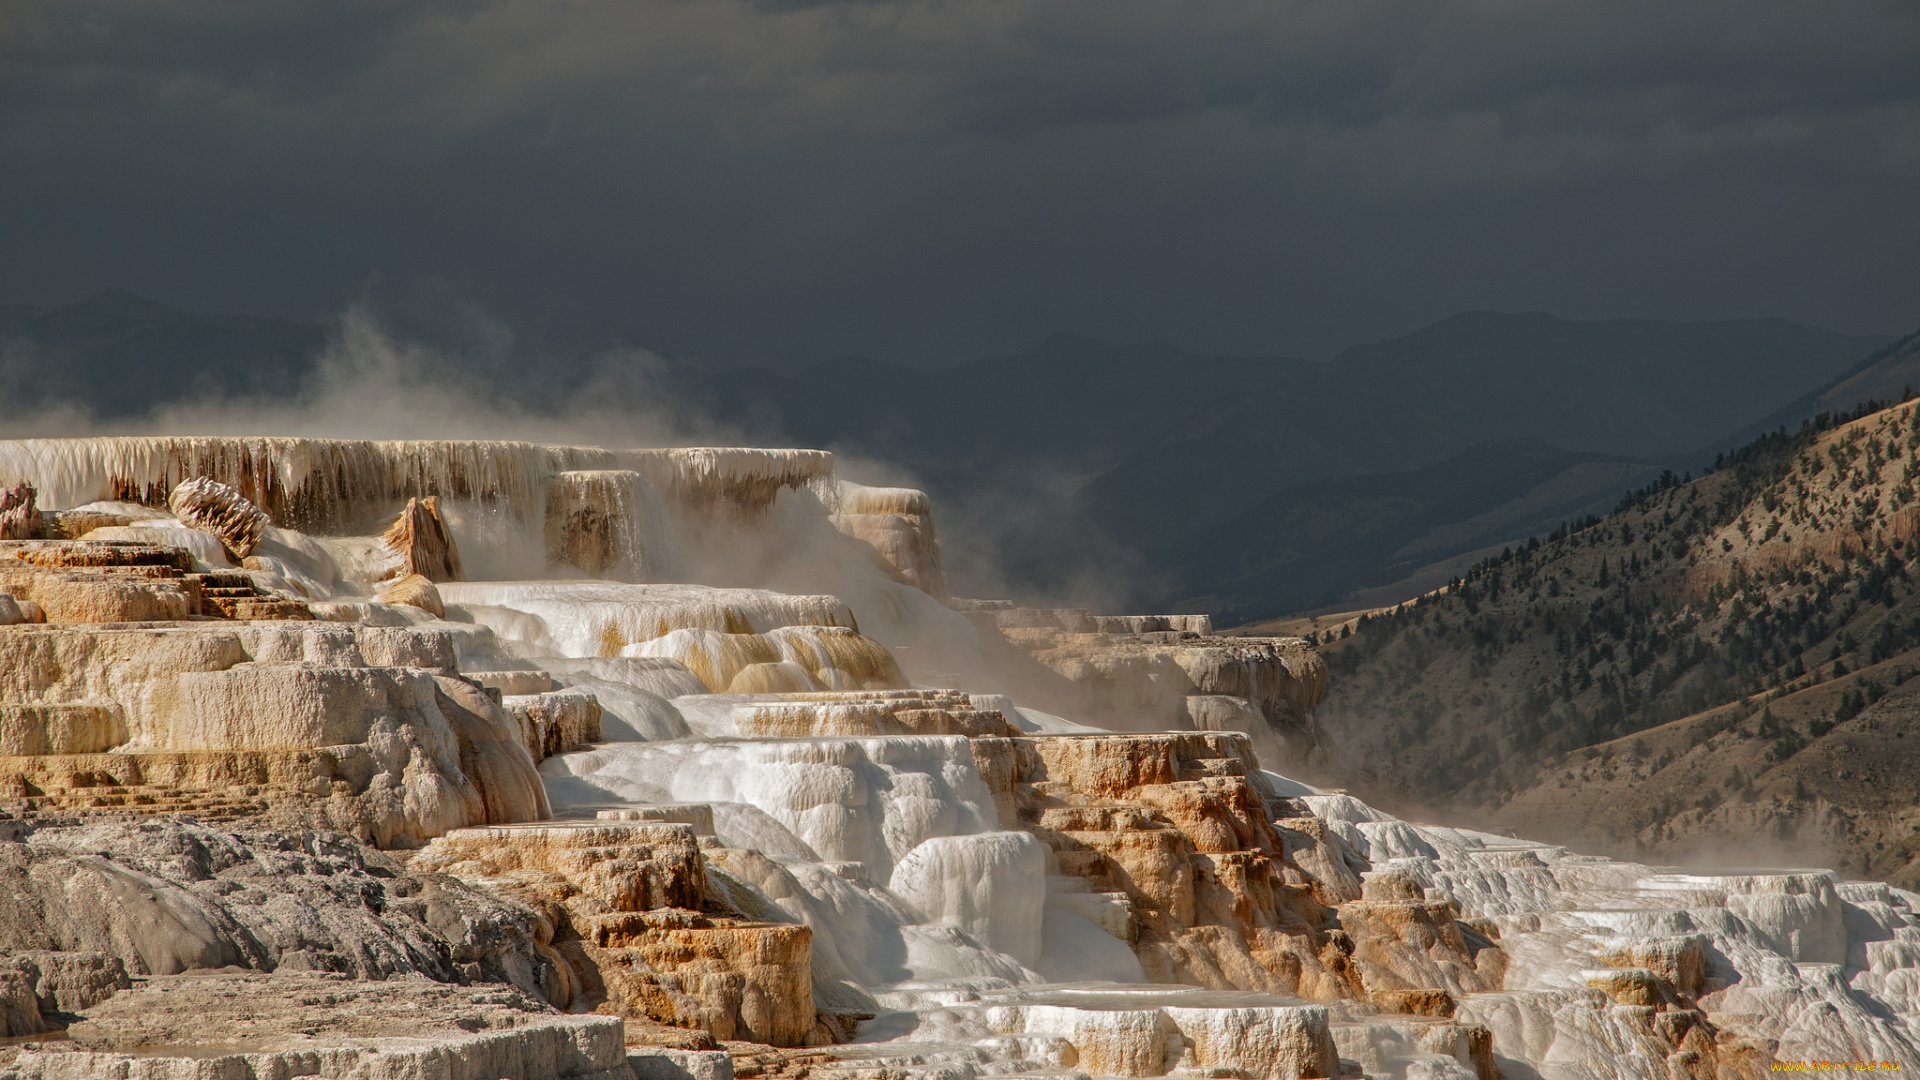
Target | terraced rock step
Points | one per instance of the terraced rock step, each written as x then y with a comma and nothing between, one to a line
265,1027
1151,1031
23,800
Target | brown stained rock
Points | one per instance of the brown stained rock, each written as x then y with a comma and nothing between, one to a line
1471,1044
88,581
555,722
420,539
1219,895
608,866
590,521
127,581
153,560
19,1005
1680,960
414,590
1429,1002
1322,857
894,527
1217,814
19,515
1109,766
1152,866
1633,986
1409,944
213,507
625,899
101,597
747,981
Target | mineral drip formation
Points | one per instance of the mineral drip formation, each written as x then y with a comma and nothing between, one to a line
492,759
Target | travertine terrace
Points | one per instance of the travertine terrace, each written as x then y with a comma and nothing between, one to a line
492,760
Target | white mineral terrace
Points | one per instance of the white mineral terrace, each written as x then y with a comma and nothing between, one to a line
979,947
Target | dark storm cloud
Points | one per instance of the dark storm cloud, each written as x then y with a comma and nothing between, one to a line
777,179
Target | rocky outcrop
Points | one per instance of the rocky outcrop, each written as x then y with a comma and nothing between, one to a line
19,514
261,1027
121,581
900,712
414,590
1160,672
40,988
555,722
633,918
894,526
164,896
1259,1043
363,729
1218,893
213,507
596,868
421,544
79,582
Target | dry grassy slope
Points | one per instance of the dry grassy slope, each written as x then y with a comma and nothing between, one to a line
1751,783
1663,683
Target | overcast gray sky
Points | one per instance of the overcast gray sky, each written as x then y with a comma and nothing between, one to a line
778,181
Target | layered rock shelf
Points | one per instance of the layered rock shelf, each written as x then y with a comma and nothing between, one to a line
491,760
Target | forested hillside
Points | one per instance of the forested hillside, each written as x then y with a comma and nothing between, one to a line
1721,655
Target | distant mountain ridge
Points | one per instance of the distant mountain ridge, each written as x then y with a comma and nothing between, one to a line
1150,475
1302,548
119,355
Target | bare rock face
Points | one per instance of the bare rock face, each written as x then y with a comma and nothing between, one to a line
898,712
1161,672
626,900
414,590
82,905
420,540
89,582
595,522
627,897
598,867
211,506
257,1027
1216,893
555,722
121,581
894,526
19,515
363,729
69,982
736,980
